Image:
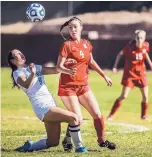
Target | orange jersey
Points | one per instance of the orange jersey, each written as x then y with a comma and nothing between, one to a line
134,61
81,53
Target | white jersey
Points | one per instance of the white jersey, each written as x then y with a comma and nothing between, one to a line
38,93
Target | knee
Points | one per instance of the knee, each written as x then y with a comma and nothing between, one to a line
96,115
52,143
75,119
122,97
145,99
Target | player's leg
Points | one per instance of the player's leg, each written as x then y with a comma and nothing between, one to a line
118,102
52,121
72,104
52,140
89,102
57,114
144,103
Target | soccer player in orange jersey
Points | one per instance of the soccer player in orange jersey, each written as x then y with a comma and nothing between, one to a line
135,53
73,85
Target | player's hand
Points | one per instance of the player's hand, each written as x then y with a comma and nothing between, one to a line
32,68
114,70
70,61
108,80
72,71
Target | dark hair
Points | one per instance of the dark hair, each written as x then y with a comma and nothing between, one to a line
66,24
13,67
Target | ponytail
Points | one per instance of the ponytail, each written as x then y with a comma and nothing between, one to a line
13,67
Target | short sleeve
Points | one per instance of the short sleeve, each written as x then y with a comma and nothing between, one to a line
125,49
39,68
147,47
64,50
89,45
17,74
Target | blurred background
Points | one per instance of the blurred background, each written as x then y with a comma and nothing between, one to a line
108,25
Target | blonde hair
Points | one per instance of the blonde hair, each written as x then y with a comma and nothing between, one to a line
140,31
136,33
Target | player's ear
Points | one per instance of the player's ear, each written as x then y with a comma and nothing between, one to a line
81,27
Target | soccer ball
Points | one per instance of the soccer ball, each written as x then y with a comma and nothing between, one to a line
35,12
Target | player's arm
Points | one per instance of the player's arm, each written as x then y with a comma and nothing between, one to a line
149,60
119,56
61,68
27,82
49,70
94,65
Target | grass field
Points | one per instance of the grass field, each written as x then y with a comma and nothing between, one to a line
16,127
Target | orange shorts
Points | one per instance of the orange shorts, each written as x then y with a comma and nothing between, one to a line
73,90
141,83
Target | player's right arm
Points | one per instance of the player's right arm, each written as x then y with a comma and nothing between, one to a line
27,82
61,68
119,56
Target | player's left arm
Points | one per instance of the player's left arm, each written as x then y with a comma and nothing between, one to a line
94,65
49,70
149,60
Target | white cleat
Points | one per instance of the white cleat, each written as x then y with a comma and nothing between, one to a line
110,118
145,118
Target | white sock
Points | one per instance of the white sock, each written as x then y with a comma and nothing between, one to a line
76,136
39,145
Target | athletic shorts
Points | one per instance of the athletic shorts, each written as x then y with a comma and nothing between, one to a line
42,104
73,90
141,83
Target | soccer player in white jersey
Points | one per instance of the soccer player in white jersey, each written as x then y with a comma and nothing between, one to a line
31,80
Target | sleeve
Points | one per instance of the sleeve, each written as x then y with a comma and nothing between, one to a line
147,47
125,49
64,50
39,68
90,46
17,74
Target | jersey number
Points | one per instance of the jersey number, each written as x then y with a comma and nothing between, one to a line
81,54
139,56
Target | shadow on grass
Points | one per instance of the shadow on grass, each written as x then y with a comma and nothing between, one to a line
46,151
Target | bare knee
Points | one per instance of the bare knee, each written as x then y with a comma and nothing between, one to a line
75,119
122,97
96,115
145,99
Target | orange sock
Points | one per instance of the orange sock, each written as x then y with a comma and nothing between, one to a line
99,126
115,107
144,108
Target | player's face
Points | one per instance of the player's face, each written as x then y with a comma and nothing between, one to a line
19,58
140,38
75,29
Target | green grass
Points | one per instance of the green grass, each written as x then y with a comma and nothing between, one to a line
14,103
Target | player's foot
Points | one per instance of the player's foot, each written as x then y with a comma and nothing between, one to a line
67,146
110,117
107,144
145,118
81,150
25,147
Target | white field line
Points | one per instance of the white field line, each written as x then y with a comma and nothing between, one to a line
130,127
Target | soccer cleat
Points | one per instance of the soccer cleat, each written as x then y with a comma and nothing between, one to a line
67,146
25,147
81,150
107,144
145,118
